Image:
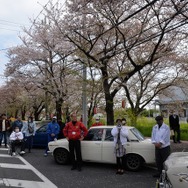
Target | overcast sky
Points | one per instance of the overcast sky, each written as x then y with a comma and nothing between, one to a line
13,15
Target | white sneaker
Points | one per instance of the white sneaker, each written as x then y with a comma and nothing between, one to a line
22,152
14,154
45,155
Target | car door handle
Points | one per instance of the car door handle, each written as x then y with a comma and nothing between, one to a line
127,144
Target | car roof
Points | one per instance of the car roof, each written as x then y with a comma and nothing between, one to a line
108,126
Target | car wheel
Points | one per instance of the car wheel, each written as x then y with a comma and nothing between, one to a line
133,162
61,156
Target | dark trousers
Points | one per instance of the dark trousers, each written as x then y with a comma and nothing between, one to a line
3,134
74,146
29,142
15,143
161,155
176,132
120,161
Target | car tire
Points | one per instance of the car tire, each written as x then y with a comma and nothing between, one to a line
133,162
61,156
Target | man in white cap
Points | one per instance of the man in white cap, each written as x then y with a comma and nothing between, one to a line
52,131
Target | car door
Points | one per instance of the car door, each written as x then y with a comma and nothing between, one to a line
108,155
92,145
41,138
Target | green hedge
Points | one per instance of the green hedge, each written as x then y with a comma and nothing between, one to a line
144,125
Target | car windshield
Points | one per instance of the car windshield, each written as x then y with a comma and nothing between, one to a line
137,133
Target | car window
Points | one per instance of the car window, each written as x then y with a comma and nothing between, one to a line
42,129
137,133
108,136
94,135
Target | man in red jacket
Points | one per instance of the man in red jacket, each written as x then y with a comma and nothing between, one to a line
75,131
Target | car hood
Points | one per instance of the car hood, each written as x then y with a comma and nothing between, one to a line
176,167
177,160
58,142
148,141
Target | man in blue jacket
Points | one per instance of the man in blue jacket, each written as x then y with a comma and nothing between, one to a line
52,131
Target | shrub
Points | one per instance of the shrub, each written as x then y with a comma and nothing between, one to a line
145,125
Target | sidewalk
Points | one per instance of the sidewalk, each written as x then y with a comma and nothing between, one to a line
175,147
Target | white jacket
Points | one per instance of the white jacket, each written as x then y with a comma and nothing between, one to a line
123,134
161,135
16,136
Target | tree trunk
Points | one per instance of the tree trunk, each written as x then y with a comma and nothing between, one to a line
59,109
37,110
108,96
23,112
109,109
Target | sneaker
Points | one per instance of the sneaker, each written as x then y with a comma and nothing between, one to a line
14,154
45,155
22,152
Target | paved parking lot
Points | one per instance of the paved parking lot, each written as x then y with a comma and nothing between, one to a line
15,171
35,169
93,174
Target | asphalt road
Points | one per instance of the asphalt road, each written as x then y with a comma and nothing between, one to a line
92,175
35,170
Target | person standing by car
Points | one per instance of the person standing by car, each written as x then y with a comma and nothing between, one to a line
120,134
29,129
4,128
75,131
161,140
52,131
175,126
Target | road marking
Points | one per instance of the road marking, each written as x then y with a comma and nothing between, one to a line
24,183
45,182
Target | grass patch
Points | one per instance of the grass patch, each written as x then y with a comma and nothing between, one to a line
145,125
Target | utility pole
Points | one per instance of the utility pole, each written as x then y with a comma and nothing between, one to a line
84,98
46,93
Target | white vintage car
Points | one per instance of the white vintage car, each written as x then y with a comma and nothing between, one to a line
98,147
175,173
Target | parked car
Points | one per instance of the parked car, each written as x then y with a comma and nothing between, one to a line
40,139
175,173
98,146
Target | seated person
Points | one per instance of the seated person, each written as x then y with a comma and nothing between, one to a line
16,138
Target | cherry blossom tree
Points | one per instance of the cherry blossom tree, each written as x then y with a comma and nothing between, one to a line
117,38
121,37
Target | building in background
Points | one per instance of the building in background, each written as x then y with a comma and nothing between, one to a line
174,98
